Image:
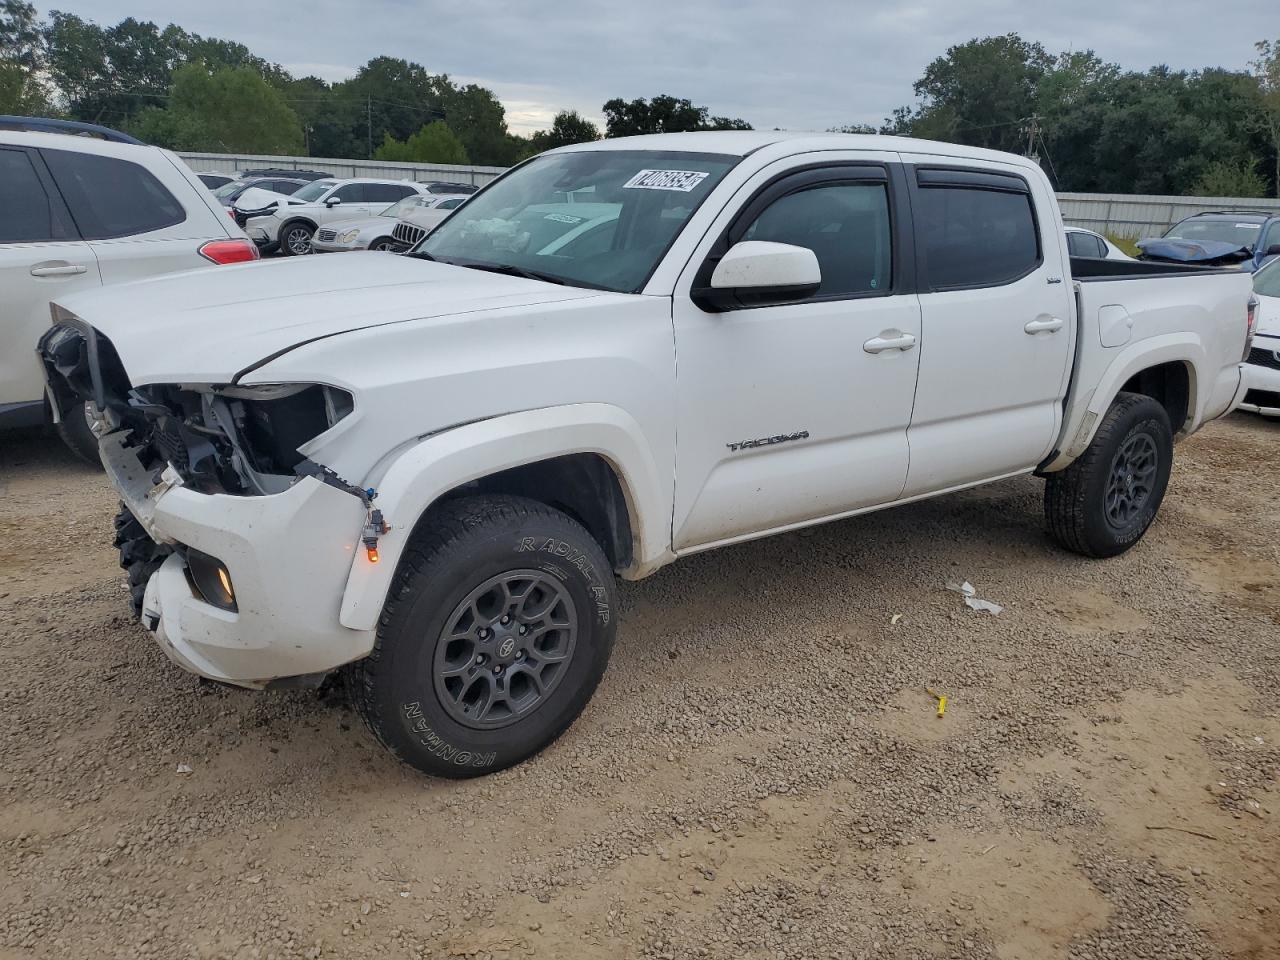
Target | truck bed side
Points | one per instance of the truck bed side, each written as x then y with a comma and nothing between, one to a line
1186,325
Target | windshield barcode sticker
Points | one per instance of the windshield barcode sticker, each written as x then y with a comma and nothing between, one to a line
562,218
681,180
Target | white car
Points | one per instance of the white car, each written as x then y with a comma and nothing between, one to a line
427,469
77,212
291,225
419,220
1262,369
377,233
1086,243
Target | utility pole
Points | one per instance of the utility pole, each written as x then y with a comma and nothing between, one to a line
368,104
1031,135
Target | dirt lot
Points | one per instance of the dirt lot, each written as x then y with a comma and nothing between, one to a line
762,774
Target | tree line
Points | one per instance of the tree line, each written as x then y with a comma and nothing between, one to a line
1094,126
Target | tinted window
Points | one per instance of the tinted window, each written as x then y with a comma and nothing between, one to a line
283,186
1085,245
109,197
845,224
28,214
449,204
386,192
975,238
351,193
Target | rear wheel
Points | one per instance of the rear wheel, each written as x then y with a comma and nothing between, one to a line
496,631
140,556
295,238
1102,504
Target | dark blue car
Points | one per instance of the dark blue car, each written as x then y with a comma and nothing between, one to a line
1227,239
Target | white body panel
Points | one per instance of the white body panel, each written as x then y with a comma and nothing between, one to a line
33,273
1265,375
719,426
265,230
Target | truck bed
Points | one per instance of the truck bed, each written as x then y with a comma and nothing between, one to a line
1090,269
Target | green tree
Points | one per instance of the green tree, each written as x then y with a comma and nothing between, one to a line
854,128
1223,178
662,114
434,143
567,128
230,110
22,58
1266,69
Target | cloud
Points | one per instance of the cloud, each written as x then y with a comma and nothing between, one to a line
797,66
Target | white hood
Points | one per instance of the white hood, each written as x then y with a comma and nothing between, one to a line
208,325
259,198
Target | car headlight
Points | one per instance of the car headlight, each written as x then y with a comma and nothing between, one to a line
349,236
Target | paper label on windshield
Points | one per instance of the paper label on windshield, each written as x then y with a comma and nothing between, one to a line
679,180
1249,226
562,218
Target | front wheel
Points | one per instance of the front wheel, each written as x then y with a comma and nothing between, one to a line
496,631
1103,503
385,243
295,239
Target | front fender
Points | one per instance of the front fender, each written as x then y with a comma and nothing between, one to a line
423,473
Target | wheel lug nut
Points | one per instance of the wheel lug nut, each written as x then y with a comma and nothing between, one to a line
497,669
506,619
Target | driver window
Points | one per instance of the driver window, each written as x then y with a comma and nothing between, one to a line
846,225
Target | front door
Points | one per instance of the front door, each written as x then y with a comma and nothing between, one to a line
41,257
796,411
998,317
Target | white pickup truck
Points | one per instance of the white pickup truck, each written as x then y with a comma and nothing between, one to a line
427,469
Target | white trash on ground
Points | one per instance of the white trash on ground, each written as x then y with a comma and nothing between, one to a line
972,601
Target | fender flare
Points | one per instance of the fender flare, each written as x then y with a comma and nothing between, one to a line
1181,348
424,472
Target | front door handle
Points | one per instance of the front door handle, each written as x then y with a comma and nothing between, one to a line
58,269
902,341
1044,326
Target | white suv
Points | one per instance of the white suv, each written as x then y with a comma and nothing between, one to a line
77,212
290,226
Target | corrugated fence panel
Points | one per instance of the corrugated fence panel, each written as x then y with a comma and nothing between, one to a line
1121,215
231,163
1133,215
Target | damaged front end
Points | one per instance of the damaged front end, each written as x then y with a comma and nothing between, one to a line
256,540
219,438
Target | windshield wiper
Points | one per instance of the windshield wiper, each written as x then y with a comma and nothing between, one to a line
510,270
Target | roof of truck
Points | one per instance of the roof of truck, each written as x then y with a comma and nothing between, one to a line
744,142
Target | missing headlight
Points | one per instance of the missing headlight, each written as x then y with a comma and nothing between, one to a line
277,419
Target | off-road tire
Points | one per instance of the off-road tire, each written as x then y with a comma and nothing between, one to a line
462,546
1075,499
285,249
75,433
140,556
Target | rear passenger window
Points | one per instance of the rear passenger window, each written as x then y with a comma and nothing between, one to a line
386,192
110,197
846,225
28,215
975,237
1085,245
351,193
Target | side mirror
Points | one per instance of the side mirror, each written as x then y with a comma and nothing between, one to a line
332,202
1273,250
758,272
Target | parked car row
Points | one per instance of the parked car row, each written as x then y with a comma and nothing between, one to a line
1220,238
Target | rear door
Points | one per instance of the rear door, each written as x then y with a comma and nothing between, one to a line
997,318
41,257
133,222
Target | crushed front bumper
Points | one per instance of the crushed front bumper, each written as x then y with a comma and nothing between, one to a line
288,555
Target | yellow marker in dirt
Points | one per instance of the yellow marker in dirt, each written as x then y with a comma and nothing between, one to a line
942,701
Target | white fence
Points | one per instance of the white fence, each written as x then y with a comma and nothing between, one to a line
1135,215
231,163
1122,215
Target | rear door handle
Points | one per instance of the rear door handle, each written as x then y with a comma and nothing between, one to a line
1044,326
903,341
58,269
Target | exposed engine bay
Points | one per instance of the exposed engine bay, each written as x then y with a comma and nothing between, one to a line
219,438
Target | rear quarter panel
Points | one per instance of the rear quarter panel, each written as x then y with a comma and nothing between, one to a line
1198,320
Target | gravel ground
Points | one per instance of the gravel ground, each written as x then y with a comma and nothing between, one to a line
761,775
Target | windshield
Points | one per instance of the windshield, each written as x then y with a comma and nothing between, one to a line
228,189
1266,282
401,206
1239,232
313,191
600,218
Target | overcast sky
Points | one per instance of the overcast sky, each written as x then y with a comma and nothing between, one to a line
797,65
